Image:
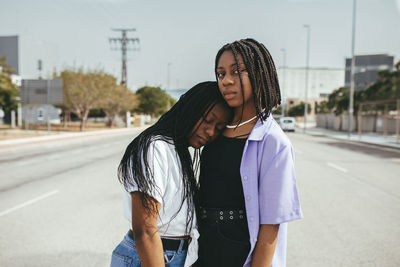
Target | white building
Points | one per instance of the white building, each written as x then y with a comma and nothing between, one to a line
321,81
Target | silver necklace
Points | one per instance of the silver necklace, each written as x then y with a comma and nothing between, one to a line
240,124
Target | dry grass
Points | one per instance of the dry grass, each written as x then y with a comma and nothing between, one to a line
71,127
41,130
16,133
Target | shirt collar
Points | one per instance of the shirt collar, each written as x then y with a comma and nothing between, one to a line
260,129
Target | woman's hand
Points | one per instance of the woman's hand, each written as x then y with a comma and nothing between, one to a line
145,233
265,246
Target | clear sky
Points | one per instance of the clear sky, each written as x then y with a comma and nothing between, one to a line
187,34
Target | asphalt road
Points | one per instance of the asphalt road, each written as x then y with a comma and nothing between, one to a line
350,195
61,203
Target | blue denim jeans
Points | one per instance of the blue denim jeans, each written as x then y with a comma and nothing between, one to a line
126,255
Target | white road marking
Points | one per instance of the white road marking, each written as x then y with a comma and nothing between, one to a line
298,151
336,167
22,205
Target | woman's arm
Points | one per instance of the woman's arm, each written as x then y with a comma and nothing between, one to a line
145,233
265,246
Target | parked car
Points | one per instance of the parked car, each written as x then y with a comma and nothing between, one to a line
287,123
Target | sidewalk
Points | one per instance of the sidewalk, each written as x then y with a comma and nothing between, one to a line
57,136
367,138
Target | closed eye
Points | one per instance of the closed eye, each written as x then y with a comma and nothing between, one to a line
205,120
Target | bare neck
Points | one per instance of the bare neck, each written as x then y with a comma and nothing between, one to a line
244,130
249,111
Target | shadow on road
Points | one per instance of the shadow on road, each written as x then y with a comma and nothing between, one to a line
373,150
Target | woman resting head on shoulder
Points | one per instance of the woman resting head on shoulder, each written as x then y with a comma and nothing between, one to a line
157,173
248,186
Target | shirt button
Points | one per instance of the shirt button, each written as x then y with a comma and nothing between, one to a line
251,219
248,197
255,239
245,178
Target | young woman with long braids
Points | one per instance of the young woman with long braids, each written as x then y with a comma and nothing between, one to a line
157,173
248,187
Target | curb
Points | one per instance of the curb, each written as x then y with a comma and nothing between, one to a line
64,136
379,144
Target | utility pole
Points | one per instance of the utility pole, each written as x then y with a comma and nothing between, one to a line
124,41
353,62
283,92
307,68
39,67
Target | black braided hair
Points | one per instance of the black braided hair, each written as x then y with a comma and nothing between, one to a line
174,127
262,74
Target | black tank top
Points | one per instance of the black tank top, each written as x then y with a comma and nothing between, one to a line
222,243
220,181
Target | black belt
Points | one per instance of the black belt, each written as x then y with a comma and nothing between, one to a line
212,214
169,244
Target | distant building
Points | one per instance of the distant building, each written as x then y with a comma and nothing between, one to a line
9,48
39,97
35,113
367,68
321,81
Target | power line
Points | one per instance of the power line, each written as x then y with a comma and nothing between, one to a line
124,41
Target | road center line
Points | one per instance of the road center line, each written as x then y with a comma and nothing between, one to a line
336,167
27,203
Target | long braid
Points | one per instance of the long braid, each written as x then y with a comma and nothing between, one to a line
235,54
174,127
259,102
262,74
262,66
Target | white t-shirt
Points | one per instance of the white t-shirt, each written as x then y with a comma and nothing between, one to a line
166,168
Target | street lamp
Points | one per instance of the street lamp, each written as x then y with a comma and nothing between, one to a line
306,78
283,106
353,62
168,73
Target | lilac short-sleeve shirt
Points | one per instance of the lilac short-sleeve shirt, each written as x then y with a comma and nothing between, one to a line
269,185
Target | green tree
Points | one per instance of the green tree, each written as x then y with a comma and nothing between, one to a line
322,108
172,101
387,86
298,110
84,91
8,90
118,99
277,111
153,101
338,100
